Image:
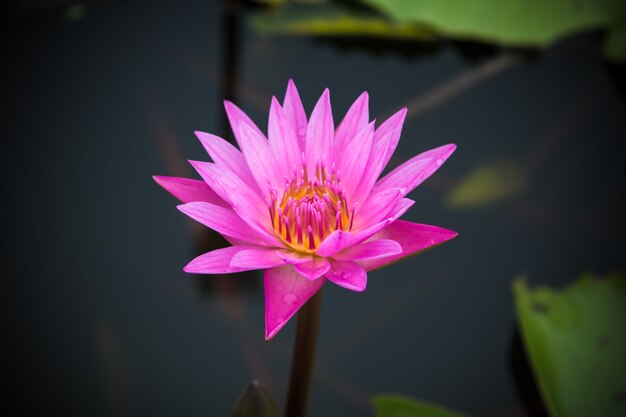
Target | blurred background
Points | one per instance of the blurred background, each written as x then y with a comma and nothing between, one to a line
98,96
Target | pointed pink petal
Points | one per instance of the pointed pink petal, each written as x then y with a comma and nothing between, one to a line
222,220
414,171
314,268
336,241
245,202
354,160
386,138
319,135
355,120
188,190
347,274
372,249
283,140
377,207
256,150
414,238
224,182
238,118
339,240
400,208
225,155
393,127
253,145
294,111
293,257
256,259
375,165
285,292
267,235
216,262
209,173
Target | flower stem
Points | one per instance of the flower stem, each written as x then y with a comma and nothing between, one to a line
303,361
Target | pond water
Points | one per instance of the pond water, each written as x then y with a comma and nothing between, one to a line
101,318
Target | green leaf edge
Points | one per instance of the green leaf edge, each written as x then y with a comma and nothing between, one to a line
521,293
384,399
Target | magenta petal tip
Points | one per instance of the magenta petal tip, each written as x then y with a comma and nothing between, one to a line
285,292
202,136
450,148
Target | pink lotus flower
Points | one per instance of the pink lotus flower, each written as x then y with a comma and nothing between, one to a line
305,203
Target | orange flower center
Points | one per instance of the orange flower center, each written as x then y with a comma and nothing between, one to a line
309,210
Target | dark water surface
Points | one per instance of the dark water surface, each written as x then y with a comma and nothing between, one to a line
102,320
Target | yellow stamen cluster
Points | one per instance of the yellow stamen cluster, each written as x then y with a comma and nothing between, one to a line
310,209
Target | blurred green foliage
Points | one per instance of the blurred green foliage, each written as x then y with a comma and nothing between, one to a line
534,23
400,406
575,339
335,20
488,184
511,23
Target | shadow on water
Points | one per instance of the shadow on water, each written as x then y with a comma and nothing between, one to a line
415,51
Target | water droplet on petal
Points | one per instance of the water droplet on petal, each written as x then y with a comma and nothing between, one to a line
439,162
301,131
290,299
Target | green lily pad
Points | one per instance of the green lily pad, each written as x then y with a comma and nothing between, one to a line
488,184
400,406
255,402
534,23
575,339
513,23
334,20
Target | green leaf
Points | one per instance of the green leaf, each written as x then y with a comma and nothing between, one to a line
488,184
515,23
334,20
576,342
255,402
528,23
400,406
